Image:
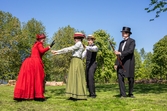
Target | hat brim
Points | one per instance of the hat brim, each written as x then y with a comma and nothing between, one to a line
127,31
79,37
41,38
90,38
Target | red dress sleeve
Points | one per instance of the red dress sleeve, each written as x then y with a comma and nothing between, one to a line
42,49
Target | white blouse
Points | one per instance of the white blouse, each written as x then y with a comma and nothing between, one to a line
76,49
90,48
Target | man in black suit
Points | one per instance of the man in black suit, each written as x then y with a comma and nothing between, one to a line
126,54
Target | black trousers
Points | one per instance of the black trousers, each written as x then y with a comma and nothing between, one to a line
122,85
90,71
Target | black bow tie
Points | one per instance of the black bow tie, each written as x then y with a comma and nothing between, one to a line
125,40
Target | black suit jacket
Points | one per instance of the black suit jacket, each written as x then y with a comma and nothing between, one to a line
127,58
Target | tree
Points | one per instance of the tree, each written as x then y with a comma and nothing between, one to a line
9,41
148,65
159,59
138,65
142,54
105,58
143,64
29,31
158,6
60,65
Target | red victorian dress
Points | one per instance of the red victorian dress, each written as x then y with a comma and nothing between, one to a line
30,81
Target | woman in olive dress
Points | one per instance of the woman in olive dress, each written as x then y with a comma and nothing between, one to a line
76,83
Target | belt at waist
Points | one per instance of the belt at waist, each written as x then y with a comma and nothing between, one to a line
76,57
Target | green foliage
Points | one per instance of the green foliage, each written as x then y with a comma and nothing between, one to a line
157,5
143,64
105,58
29,31
160,59
138,65
148,66
16,40
60,63
10,30
15,43
28,38
142,54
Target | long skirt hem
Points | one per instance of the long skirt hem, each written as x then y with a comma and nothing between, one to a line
76,82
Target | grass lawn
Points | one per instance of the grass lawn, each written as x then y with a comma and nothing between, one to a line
149,97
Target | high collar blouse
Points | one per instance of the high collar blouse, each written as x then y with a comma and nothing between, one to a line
76,49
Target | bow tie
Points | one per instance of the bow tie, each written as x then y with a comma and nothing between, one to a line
125,40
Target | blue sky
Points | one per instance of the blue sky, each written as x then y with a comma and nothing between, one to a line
91,15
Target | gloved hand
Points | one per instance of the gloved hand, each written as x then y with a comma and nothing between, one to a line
53,42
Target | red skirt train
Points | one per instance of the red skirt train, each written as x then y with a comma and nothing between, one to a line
30,81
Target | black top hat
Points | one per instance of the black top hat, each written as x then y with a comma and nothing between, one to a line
126,29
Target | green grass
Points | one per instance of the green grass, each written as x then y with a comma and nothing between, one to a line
149,97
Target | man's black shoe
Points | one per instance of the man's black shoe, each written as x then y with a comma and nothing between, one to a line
92,96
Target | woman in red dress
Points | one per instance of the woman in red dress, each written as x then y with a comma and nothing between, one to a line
30,81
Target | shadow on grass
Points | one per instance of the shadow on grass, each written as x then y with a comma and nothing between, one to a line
150,88
138,88
55,92
106,87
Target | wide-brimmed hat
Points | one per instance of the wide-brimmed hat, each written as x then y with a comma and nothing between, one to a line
126,29
79,35
40,36
91,37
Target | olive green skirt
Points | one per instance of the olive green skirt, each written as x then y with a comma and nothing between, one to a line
76,84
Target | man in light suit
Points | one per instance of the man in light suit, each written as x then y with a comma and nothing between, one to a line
126,54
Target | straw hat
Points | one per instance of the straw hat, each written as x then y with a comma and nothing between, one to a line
91,37
79,35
